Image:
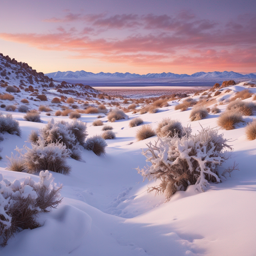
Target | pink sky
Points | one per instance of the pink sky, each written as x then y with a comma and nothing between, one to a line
137,36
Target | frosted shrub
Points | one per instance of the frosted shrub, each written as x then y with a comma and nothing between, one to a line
168,128
116,114
23,109
180,162
22,200
44,157
97,144
72,135
9,125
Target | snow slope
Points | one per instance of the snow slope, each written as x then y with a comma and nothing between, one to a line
106,209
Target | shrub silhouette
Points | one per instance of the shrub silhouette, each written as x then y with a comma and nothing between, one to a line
56,100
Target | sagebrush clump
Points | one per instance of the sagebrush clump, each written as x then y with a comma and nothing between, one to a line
97,123
245,108
168,128
23,109
107,127
146,131
180,162
22,200
9,125
116,114
97,144
108,135
33,117
198,113
250,130
135,122
229,119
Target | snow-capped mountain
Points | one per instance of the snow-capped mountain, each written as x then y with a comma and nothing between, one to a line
150,77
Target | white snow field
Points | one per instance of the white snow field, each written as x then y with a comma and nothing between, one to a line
107,211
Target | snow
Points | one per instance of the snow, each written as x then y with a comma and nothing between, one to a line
106,209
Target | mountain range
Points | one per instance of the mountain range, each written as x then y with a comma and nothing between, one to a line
129,78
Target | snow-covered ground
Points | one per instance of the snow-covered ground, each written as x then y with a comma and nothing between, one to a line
107,211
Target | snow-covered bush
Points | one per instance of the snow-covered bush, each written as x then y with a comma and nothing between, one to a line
108,135
72,135
180,162
8,124
145,131
40,157
116,114
23,109
168,127
135,122
97,144
22,200
198,113
33,117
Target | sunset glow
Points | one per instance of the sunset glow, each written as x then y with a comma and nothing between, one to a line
131,36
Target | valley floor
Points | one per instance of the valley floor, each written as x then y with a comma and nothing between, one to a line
107,211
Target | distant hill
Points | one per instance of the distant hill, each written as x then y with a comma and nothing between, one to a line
129,78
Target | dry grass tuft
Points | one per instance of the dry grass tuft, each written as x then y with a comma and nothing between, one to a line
6,96
228,119
97,123
215,110
56,100
135,122
108,135
185,104
250,130
58,113
70,100
245,108
245,94
198,113
107,128
160,103
44,108
145,132
66,112
25,101
92,110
